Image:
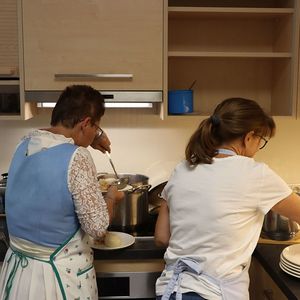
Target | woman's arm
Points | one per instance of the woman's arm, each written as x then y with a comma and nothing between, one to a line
289,207
162,228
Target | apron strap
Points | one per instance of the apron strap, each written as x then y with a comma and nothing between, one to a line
20,259
185,264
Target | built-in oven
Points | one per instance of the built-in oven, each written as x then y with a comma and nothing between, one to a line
130,273
9,97
127,279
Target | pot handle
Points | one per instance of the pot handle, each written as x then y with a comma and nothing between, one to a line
141,188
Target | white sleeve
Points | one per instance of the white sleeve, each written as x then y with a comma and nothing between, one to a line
273,189
90,206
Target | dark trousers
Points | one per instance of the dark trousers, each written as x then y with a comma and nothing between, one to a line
185,296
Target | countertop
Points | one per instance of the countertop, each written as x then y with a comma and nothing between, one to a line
143,248
267,254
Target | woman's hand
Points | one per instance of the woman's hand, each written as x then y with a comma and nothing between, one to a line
113,193
112,197
101,143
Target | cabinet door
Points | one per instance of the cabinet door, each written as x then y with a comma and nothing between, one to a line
112,45
262,287
8,39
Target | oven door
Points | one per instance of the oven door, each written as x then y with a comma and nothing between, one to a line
127,279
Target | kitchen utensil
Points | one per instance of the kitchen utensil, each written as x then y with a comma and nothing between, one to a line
121,182
132,211
278,227
192,85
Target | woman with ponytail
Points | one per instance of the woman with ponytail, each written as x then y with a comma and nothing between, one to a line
215,203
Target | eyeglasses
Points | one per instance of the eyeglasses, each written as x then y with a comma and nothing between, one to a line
263,141
99,131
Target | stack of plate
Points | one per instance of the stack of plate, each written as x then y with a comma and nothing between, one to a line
290,260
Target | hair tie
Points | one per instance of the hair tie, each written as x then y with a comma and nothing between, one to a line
215,120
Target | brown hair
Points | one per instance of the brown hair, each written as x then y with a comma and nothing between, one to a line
232,119
75,103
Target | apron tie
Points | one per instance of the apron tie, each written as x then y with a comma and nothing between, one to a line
20,260
185,264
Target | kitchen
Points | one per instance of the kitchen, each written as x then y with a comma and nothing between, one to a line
153,142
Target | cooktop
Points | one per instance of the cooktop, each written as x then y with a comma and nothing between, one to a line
146,229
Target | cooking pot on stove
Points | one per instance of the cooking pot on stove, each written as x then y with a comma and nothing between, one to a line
155,198
3,182
132,211
278,227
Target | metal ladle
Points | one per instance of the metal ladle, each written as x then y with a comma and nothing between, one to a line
121,182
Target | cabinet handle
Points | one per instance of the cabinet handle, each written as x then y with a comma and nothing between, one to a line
8,72
269,294
94,76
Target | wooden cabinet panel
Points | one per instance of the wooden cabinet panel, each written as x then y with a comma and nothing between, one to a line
262,287
79,37
12,105
9,60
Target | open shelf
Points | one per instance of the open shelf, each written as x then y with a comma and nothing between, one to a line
235,49
229,54
184,12
267,81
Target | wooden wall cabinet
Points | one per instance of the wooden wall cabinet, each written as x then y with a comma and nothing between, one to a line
111,45
235,49
262,286
9,58
12,104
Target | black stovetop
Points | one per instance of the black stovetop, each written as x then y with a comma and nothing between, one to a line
146,229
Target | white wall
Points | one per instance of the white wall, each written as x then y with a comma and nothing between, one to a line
142,143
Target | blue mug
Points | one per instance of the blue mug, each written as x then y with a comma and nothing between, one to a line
180,102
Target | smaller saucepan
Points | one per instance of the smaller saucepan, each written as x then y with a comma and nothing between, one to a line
155,198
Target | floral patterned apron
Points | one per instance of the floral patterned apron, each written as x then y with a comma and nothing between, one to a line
67,274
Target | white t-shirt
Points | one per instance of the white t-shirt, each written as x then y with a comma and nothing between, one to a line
216,214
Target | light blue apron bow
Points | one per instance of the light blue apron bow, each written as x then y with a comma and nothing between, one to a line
185,264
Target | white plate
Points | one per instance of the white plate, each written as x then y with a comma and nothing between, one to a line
283,268
290,267
126,239
292,254
289,264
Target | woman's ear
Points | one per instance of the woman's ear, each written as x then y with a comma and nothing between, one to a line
248,137
85,122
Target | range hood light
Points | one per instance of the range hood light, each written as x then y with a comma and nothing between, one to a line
107,104
46,104
128,105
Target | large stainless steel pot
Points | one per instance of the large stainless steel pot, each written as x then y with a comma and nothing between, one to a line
2,191
278,227
133,210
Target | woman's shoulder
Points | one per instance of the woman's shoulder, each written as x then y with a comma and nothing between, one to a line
83,153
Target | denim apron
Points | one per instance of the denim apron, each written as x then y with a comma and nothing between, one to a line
235,288
68,272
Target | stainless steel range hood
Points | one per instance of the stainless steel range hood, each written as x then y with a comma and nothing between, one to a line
112,98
